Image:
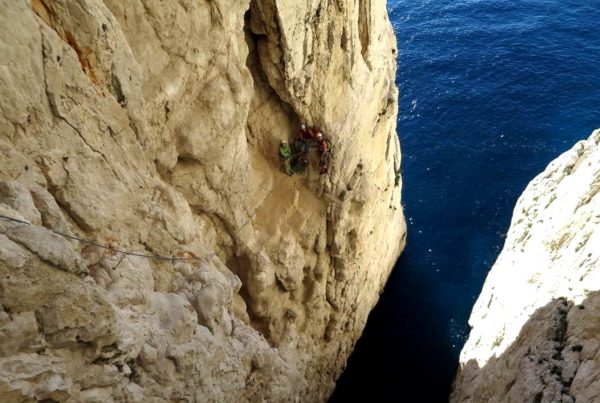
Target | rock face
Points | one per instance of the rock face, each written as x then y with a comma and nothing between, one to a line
153,127
536,325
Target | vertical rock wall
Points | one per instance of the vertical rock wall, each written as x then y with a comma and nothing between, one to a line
152,127
536,325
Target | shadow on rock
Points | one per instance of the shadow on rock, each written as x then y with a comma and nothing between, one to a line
554,359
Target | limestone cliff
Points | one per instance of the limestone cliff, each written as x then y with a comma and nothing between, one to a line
536,326
152,127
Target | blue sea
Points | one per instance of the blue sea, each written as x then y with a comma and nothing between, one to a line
491,92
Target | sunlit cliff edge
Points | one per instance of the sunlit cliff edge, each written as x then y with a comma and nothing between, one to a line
536,325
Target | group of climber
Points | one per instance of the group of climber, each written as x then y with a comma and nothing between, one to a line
298,160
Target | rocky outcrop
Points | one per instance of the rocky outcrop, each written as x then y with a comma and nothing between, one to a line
535,330
152,127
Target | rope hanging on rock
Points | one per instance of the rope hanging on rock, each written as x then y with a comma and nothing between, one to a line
123,252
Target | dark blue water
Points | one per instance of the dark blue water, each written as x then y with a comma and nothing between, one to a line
491,92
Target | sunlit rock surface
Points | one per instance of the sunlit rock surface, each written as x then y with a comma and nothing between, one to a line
153,127
536,325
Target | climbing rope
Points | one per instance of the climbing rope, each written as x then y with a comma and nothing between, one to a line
122,252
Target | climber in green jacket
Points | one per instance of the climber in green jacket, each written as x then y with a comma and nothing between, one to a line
285,152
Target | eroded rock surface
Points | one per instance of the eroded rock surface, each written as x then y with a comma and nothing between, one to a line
153,127
536,324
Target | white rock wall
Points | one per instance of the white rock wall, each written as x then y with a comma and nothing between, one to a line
546,277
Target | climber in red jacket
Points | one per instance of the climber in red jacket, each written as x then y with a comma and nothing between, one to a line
324,147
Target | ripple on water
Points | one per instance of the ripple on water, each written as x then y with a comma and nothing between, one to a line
491,91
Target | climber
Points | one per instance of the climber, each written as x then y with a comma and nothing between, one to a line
320,139
324,147
285,153
301,146
306,133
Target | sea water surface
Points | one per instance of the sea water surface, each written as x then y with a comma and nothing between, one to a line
491,92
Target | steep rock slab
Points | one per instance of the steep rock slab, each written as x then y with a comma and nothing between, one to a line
535,334
152,127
